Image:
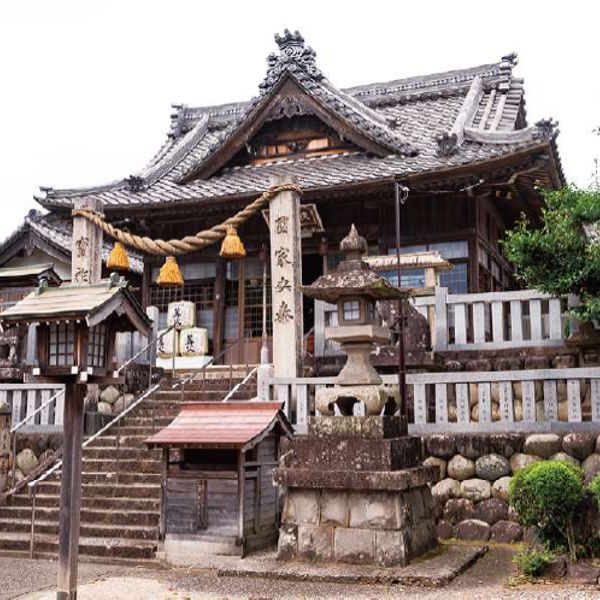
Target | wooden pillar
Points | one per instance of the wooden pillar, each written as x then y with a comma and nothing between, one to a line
286,279
241,492
86,268
70,493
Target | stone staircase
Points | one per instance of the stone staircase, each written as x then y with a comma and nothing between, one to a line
120,505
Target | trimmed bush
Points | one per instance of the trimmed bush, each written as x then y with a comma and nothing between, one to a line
532,562
546,495
594,487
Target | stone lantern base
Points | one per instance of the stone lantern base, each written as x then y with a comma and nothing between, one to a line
355,494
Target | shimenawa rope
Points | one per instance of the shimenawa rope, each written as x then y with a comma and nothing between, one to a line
189,243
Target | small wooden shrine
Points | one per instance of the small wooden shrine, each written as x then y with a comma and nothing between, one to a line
219,496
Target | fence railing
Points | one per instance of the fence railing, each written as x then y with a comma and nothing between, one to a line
526,400
496,320
36,407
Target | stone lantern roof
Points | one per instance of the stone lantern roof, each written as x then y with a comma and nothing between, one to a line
354,277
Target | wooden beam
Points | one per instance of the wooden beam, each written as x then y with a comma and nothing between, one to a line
219,305
241,492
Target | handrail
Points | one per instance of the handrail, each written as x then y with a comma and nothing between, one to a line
36,411
92,438
14,430
239,384
144,349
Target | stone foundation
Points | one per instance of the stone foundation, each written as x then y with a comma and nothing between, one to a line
383,528
470,499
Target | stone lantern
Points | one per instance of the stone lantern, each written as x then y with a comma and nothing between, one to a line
355,288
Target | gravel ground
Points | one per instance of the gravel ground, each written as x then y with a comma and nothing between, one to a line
31,580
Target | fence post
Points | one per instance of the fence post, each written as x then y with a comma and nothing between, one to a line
440,327
263,381
5,420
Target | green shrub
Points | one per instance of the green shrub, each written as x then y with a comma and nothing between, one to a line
546,495
532,562
594,487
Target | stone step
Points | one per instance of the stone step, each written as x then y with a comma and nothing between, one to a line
90,516
110,441
124,504
124,478
93,530
145,421
124,465
97,547
125,452
103,490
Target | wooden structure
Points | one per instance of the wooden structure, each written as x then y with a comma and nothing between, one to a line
76,330
459,140
218,493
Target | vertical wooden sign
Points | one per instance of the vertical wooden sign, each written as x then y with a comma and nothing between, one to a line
86,259
286,279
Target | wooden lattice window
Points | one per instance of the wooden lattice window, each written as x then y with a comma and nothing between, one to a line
253,309
97,346
62,343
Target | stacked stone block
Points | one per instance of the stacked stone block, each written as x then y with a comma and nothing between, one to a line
355,493
475,470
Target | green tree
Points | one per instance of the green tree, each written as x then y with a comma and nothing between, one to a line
558,257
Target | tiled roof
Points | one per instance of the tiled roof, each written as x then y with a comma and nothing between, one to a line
425,124
59,233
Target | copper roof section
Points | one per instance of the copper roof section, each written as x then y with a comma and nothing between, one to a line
222,425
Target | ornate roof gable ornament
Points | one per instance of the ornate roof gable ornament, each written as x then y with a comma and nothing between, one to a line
447,143
545,130
294,56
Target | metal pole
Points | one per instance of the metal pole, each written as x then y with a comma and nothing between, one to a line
401,195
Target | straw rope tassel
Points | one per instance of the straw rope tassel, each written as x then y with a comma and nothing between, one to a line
170,274
232,246
189,243
118,259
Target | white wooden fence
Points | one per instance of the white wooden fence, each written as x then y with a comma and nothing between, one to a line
25,398
497,320
527,400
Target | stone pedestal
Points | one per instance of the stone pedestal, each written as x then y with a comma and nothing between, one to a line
354,493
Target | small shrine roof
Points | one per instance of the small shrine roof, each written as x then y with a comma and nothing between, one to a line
92,303
239,425
32,273
420,260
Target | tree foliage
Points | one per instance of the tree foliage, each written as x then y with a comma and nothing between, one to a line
558,258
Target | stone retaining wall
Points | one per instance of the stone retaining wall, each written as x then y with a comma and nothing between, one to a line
471,496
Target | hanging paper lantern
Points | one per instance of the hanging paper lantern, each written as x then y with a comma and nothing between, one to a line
170,274
232,246
118,259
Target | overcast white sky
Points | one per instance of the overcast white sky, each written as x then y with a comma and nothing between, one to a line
87,85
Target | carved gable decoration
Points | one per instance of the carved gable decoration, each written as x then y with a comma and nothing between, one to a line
295,87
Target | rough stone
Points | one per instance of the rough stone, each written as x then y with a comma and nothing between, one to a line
334,508
564,361
518,461
440,445
287,544
475,489
375,510
423,538
110,394
473,529
19,475
391,548
507,532
460,468
557,569
301,506
458,509
105,408
500,488
492,467
536,362
543,445
472,446
564,457
445,489
579,445
506,444
591,467
583,573
445,531
491,510
598,445
434,461
315,541
512,514
27,461
354,546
